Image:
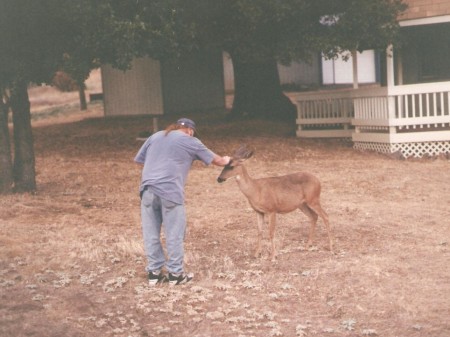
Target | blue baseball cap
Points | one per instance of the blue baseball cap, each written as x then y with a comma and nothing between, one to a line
187,123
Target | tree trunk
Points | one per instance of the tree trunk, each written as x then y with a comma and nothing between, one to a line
82,94
258,91
24,161
6,175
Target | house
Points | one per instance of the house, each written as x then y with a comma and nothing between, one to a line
407,108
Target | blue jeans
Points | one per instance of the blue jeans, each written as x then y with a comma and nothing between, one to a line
157,212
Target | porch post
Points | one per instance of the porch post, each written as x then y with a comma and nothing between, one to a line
390,84
400,67
390,66
355,69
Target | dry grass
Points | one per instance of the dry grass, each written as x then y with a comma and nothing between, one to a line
71,257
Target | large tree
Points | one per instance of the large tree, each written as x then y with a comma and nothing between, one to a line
29,44
38,38
259,34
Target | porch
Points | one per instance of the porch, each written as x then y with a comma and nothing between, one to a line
411,119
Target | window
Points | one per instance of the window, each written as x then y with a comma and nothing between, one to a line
339,71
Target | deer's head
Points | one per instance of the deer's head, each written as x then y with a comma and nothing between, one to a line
233,167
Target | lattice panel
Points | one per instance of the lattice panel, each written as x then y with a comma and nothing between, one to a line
417,150
377,147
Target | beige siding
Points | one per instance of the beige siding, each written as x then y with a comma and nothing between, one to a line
425,8
300,73
133,92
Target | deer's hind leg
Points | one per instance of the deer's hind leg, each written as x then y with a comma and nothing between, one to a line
317,208
312,215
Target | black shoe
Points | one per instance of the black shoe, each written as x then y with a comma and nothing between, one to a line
155,278
176,279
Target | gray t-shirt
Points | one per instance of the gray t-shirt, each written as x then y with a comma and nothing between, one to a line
167,160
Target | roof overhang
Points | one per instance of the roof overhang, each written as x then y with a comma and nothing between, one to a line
425,21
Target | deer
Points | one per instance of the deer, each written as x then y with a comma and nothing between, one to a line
270,196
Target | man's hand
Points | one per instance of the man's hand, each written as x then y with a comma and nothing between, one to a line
221,161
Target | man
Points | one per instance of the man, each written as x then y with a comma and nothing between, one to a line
167,157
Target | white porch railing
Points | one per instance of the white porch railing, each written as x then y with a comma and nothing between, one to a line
417,105
413,119
324,114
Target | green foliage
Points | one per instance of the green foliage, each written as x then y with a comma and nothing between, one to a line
37,38
258,30
63,82
364,24
31,41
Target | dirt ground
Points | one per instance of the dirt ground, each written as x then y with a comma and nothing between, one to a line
72,261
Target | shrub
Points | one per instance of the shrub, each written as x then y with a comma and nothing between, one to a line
63,82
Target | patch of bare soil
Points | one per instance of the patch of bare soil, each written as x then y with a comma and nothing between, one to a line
72,261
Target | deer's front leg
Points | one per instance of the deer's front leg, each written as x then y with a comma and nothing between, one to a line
272,225
260,221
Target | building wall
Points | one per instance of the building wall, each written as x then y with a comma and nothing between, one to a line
425,8
133,92
301,73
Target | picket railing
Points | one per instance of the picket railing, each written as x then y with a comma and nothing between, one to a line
416,113
416,108
324,114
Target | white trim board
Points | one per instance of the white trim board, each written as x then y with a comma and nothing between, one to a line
425,21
